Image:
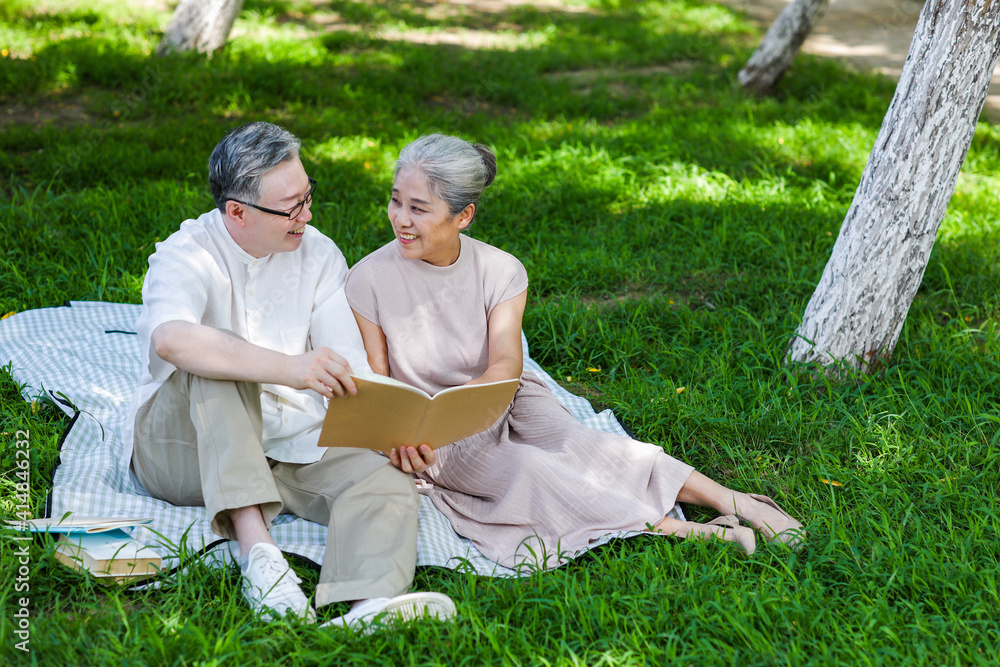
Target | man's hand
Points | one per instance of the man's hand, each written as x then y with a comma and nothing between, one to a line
323,371
410,459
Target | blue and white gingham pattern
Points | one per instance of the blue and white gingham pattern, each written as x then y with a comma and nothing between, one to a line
86,354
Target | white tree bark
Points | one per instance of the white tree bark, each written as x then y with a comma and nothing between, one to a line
782,42
856,313
201,25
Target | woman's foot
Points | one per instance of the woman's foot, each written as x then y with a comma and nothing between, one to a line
725,528
732,531
766,516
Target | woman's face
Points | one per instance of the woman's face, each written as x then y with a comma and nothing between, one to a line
423,226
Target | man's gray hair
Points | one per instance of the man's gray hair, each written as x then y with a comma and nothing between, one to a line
456,170
244,155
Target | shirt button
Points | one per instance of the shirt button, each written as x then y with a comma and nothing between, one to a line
250,292
286,420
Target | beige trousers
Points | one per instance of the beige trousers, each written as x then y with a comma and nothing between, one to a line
198,442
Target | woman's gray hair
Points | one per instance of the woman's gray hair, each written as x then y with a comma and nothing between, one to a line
456,170
244,155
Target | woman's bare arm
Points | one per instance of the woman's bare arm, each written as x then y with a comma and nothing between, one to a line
506,356
375,345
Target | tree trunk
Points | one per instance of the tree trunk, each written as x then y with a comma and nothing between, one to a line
202,25
778,48
856,313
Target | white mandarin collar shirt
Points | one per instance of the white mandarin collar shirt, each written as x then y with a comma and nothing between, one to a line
291,302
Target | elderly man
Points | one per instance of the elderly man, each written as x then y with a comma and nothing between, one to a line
246,333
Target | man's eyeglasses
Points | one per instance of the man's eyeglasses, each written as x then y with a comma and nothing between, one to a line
290,214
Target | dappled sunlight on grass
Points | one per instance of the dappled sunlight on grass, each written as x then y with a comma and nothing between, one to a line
673,229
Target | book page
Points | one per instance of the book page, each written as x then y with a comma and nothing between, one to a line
371,376
77,524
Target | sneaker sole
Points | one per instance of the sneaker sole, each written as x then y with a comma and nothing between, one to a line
417,605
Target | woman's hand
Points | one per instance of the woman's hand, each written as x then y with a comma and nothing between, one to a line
412,459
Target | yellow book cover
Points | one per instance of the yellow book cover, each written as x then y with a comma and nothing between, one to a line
387,413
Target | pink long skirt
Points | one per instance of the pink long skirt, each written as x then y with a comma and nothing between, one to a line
538,486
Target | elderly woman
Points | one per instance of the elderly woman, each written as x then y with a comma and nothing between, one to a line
439,309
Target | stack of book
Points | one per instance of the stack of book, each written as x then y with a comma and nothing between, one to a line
101,547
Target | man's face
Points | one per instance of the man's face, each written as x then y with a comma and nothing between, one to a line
261,233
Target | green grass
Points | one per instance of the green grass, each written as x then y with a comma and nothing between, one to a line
673,229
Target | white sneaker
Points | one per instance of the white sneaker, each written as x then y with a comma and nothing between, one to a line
272,587
376,613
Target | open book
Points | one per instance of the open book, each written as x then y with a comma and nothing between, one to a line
71,523
387,413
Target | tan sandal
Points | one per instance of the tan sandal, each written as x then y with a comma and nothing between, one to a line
744,537
790,532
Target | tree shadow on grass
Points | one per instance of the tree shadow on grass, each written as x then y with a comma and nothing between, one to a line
605,103
432,88
384,87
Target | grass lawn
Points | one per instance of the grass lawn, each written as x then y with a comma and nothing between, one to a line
673,229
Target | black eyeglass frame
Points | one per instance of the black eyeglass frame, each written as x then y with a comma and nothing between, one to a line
290,214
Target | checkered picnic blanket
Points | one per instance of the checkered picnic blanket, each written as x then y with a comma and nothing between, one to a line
85,356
